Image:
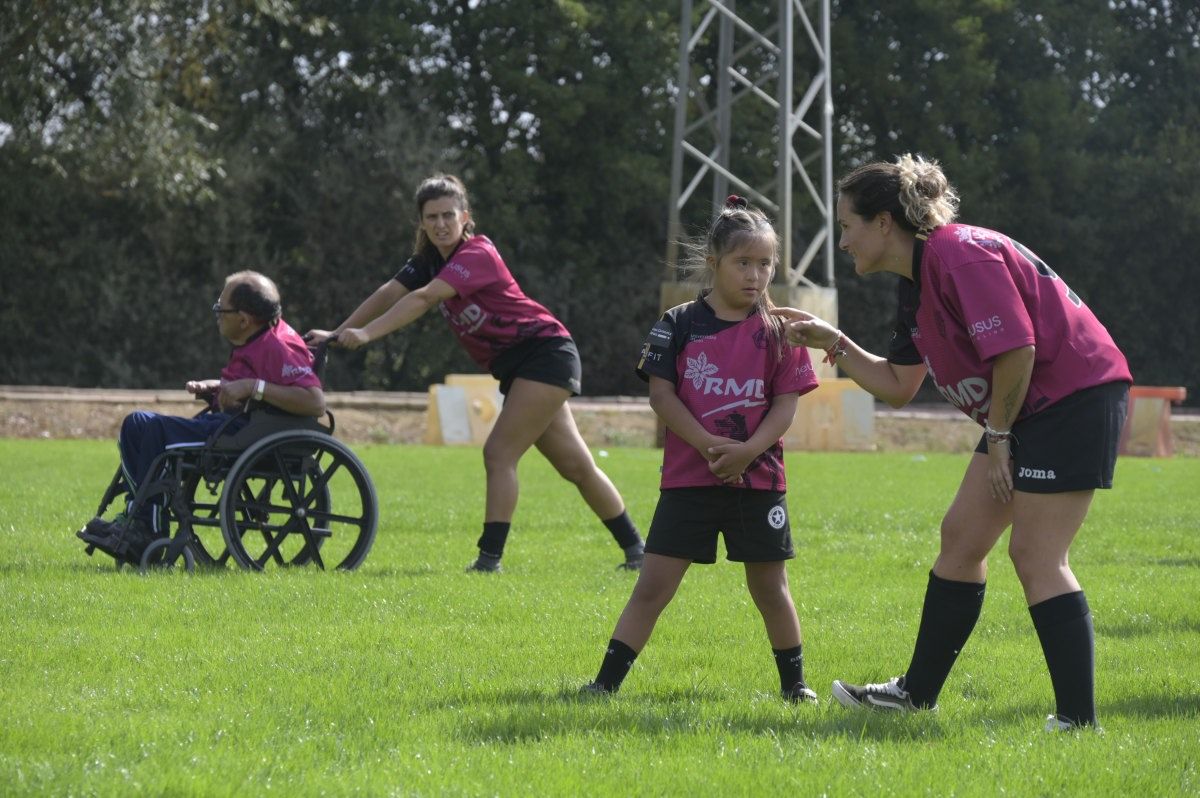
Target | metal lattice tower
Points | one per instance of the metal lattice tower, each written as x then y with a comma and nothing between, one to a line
746,66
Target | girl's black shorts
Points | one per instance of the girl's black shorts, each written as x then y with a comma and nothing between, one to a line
554,361
1072,444
754,522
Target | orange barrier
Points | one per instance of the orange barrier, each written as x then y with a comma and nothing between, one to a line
1147,431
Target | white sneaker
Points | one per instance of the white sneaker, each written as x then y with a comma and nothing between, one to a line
1056,724
888,695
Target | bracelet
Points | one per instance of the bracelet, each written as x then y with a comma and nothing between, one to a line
259,388
994,435
839,349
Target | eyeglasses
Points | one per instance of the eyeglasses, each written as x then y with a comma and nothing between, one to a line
216,308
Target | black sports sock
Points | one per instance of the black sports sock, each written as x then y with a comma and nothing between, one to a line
790,662
1064,626
950,612
618,659
495,533
623,530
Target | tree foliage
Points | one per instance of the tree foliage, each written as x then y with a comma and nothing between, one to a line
149,147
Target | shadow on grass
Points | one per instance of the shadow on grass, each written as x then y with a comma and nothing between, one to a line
522,716
1142,707
1150,627
1179,562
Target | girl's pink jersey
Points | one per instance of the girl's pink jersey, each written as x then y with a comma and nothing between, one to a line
726,374
976,294
489,313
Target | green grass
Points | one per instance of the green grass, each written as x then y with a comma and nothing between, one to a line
410,677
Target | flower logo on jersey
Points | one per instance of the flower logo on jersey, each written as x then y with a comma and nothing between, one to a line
698,368
777,517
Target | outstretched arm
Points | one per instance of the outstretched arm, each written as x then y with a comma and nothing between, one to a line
384,297
889,382
411,307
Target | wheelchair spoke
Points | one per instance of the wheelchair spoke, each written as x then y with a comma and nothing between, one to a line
353,520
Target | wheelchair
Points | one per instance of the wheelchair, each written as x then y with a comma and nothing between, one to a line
280,492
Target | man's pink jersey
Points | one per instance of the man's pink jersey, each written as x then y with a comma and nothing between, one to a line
276,354
489,313
726,374
976,294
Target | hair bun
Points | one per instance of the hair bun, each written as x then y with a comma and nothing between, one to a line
734,201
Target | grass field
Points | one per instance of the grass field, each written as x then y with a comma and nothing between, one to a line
410,677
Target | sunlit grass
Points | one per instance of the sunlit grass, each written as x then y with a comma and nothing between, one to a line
411,677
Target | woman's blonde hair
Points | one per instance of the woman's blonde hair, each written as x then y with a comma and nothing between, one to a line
913,190
437,187
733,224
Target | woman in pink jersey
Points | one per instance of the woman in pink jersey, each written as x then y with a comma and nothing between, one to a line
508,334
725,385
1008,343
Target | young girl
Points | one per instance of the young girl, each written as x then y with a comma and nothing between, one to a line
516,339
725,384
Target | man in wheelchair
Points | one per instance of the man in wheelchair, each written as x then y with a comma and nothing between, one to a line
270,365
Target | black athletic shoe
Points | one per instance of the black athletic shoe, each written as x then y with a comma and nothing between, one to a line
484,566
799,693
887,695
98,531
125,538
632,563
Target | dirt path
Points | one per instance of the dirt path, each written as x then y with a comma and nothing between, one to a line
400,418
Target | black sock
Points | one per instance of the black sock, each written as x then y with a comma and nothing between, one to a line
1064,626
495,533
790,662
950,612
623,531
618,659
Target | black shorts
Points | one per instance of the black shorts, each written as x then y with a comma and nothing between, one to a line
554,361
1072,444
755,524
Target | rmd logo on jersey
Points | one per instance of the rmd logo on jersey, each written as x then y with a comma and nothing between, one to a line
704,379
982,329
469,320
971,392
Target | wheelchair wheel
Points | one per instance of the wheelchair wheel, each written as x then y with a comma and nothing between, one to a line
298,497
208,541
166,553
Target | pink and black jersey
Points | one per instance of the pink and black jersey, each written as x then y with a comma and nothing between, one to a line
490,313
976,294
276,354
726,373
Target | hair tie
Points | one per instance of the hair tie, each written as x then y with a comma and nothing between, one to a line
734,201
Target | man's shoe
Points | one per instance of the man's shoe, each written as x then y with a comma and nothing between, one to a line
888,695
98,531
799,693
125,538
